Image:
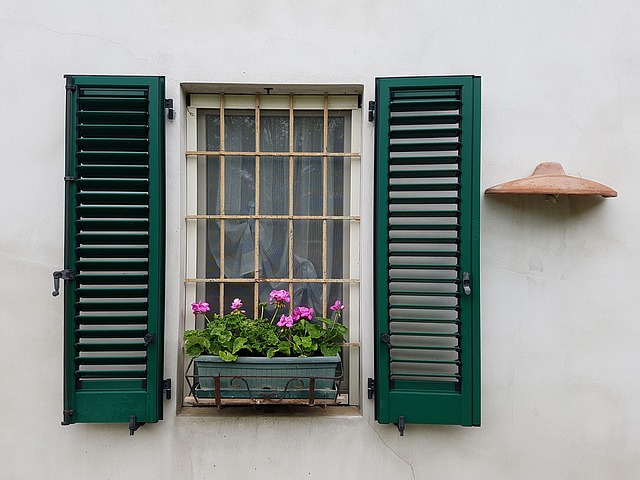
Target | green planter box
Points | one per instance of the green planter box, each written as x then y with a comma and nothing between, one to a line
274,379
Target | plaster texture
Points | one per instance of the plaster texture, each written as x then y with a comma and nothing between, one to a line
560,336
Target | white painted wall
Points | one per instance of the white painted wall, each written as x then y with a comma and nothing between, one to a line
561,336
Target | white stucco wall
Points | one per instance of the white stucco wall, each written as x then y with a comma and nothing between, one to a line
560,334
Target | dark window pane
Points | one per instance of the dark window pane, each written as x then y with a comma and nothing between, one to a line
336,134
274,185
274,249
240,185
307,248
274,131
239,247
307,186
308,132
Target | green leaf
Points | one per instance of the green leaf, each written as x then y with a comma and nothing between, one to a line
196,345
329,350
227,356
229,335
285,347
238,343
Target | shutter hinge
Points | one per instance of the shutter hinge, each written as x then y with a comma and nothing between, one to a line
371,388
66,417
71,88
168,104
400,426
66,274
372,111
68,178
166,387
133,425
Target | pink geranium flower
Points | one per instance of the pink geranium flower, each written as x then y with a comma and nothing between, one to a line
338,306
285,321
301,313
200,307
279,297
236,304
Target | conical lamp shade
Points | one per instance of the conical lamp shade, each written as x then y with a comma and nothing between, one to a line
549,178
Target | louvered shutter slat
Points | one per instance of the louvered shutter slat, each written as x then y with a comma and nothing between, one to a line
115,245
129,160
427,369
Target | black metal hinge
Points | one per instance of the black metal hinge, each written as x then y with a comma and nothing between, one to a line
371,388
166,388
168,104
66,417
372,111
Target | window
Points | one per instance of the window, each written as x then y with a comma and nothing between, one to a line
272,203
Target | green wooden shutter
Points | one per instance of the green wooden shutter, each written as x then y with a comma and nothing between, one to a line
427,330
114,247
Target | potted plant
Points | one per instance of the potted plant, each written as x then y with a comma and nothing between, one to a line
280,358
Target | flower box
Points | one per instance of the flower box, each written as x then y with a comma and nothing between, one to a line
265,380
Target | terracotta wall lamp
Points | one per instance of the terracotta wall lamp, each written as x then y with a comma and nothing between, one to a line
549,178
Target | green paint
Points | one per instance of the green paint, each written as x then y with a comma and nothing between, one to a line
426,235
114,242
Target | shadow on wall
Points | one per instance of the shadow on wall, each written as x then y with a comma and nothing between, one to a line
550,207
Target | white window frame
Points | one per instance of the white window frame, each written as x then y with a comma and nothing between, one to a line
299,101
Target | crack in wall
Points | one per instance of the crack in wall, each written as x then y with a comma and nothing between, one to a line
89,35
396,454
426,42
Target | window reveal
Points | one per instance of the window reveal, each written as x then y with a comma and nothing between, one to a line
274,187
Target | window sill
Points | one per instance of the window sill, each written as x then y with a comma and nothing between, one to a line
272,410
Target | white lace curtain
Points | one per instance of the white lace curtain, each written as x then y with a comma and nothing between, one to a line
240,188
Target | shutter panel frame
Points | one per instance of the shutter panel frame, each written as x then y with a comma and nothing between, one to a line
411,113
114,244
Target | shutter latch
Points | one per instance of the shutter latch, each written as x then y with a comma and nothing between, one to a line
400,426
66,274
386,338
372,111
134,425
149,338
466,283
371,387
